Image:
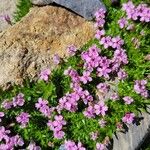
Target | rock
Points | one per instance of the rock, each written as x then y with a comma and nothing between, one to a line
41,2
147,57
28,46
135,136
84,8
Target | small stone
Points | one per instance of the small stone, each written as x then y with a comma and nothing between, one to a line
84,8
147,57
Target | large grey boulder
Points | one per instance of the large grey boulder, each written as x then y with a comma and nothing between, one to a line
84,8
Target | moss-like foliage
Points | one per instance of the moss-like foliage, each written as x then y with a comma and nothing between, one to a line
23,8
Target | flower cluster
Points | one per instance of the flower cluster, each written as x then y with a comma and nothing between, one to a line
56,126
7,141
43,107
71,145
100,18
141,12
119,58
98,109
17,101
140,87
69,102
92,59
115,42
23,118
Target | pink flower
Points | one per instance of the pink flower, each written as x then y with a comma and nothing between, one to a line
16,141
44,75
102,123
71,50
71,145
99,34
122,74
43,107
18,100
6,104
142,11
106,41
100,146
117,42
122,22
100,23
128,118
103,87
140,88
120,57
114,96
100,108
128,99
86,77
56,59
87,97
23,118
99,16
89,112
59,134
3,133
94,135
41,103
56,126
104,71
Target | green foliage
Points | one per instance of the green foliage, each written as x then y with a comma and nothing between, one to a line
23,8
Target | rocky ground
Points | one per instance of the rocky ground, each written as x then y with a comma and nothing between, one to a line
7,7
